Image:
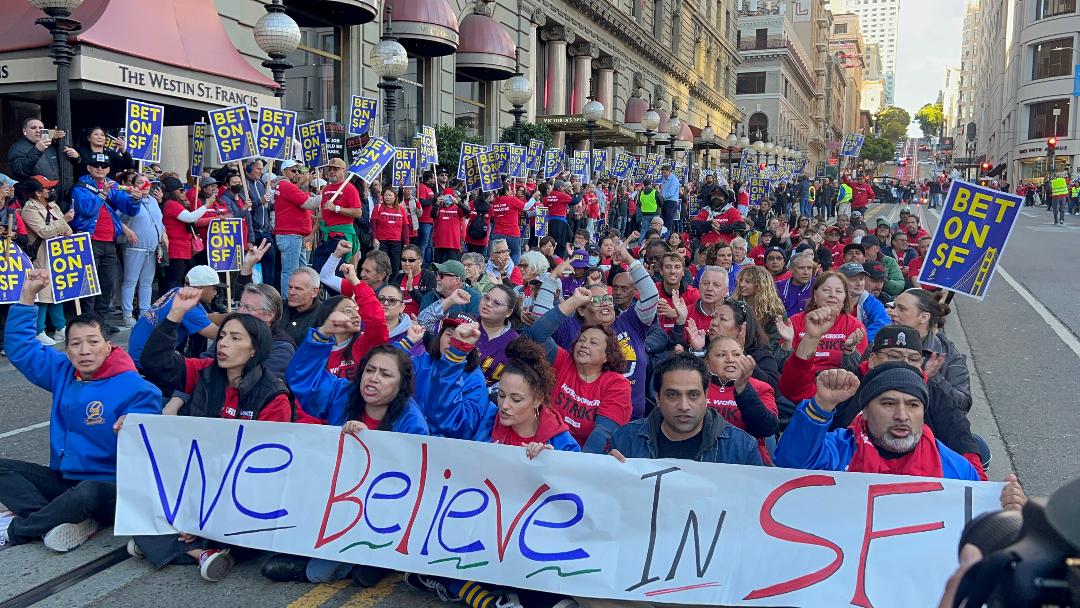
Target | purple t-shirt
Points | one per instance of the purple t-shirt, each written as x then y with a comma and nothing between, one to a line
793,296
631,333
492,353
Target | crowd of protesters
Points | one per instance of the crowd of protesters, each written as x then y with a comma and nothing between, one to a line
650,320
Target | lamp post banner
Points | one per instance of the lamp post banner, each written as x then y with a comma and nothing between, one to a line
666,531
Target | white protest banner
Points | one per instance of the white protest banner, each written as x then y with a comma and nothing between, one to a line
577,524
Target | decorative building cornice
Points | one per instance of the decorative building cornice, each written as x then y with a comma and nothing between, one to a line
606,16
607,62
584,48
557,33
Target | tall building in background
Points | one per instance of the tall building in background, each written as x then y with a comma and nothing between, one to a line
968,72
880,23
873,85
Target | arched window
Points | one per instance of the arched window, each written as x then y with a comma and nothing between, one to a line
757,122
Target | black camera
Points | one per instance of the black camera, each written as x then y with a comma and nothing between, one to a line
1029,559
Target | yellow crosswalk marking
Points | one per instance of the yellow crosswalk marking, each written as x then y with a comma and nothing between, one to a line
319,594
368,598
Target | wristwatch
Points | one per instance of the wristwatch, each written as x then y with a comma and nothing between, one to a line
337,208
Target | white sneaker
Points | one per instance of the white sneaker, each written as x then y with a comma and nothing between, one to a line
60,335
65,537
134,550
214,564
128,322
5,519
45,339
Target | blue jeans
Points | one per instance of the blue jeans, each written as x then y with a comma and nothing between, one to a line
423,241
514,243
325,570
139,267
804,208
55,312
289,246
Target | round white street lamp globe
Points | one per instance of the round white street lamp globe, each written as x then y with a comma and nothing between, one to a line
518,90
592,111
651,120
277,34
389,59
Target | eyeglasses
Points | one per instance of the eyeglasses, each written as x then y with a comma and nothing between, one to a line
500,251
385,301
410,260
248,308
447,275
490,300
598,301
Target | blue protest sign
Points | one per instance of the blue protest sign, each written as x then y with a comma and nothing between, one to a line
144,124
275,133
553,162
313,143
467,149
362,115
621,168
488,162
472,174
758,190
198,149
852,145
371,159
744,160
14,264
406,168
72,271
579,165
518,168
541,221
535,156
502,152
233,135
975,226
225,244
599,161
429,150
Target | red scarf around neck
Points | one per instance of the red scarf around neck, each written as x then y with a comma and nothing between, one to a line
923,461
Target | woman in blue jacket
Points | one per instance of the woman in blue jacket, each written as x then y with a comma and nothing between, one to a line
379,398
93,388
450,388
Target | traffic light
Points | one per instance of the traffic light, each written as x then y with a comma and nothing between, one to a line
1050,145
986,168
761,166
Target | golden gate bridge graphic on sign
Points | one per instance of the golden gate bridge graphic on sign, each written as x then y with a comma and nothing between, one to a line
975,280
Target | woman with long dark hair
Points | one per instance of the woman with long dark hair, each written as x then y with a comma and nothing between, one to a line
234,384
945,364
97,142
179,216
500,317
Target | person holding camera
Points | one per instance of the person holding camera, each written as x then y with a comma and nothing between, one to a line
35,153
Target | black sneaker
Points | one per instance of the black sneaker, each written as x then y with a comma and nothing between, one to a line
368,576
430,584
286,568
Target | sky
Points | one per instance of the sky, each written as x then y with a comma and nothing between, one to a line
930,37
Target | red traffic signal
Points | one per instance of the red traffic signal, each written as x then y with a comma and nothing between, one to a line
1051,144
761,167
986,167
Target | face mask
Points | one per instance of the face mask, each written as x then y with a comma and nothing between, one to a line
237,189
594,260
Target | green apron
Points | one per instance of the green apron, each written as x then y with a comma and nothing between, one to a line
349,230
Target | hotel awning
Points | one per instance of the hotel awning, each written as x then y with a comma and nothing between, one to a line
606,133
174,52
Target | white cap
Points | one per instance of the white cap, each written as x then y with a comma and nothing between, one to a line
288,164
203,276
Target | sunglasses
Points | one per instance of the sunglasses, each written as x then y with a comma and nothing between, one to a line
410,260
598,301
389,301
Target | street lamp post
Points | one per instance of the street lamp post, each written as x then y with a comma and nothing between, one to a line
650,122
278,36
389,60
707,138
60,24
731,141
674,129
518,91
758,146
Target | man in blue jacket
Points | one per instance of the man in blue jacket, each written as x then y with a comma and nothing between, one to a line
669,189
98,202
868,309
93,387
888,436
683,425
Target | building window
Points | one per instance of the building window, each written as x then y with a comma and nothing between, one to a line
761,38
1052,58
1041,119
676,31
635,9
840,28
750,83
1052,8
470,107
314,86
658,19
757,127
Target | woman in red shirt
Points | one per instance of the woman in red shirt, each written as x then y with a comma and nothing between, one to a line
506,211
591,393
179,216
480,214
830,292
446,236
744,401
390,224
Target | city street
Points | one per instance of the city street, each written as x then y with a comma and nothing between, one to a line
1023,352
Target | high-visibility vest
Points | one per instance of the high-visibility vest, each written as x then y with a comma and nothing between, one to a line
845,194
1059,187
647,202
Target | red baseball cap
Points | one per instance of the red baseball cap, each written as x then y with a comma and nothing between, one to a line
48,183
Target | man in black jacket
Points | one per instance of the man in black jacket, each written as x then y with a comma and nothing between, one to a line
35,153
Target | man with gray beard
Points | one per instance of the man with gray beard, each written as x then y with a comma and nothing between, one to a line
888,436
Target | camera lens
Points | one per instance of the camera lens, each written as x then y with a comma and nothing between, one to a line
992,531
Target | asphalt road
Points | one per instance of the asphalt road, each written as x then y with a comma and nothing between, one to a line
1024,380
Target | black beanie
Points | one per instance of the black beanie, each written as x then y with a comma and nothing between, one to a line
893,376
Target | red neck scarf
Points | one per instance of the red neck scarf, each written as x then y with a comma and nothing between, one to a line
923,461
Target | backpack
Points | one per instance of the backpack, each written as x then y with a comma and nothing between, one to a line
478,227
